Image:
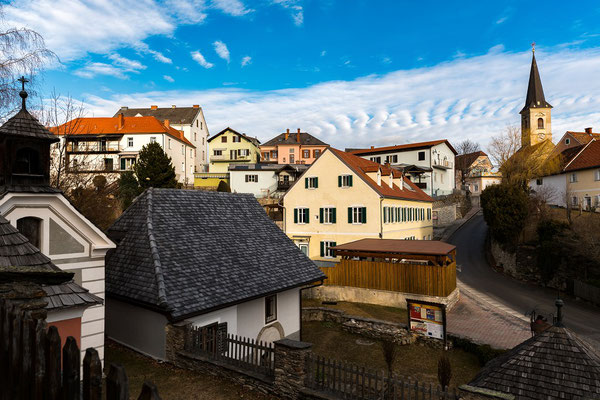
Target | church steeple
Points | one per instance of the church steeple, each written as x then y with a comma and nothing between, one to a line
535,115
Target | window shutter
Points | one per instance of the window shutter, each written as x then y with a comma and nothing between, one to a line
322,249
316,182
307,216
306,183
256,178
333,218
333,244
339,181
295,215
350,180
321,215
349,215
364,215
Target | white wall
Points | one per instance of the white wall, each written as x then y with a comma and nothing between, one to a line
267,182
445,182
553,189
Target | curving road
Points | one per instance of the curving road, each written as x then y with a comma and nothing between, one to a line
504,292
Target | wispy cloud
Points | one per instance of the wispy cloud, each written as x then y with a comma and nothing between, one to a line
468,97
126,63
221,50
168,78
199,58
119,68
296,10
323,53
246,60
158,56
232,7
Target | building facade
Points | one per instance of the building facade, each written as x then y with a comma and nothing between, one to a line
109,146
430,165
476,171
230,147
264,180
341,198
292,148
189,120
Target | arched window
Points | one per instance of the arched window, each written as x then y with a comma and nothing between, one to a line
540,123
31,228
27,161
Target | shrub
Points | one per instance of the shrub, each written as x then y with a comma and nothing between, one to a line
223,187
505,209
444,371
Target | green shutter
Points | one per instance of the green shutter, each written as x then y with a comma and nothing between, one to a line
349,215
364,215
307,216
306,183
295,215
350,180
322,249
339,181
333,244
316,182
321,215
333,218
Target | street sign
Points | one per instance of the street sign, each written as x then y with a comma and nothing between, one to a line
427,319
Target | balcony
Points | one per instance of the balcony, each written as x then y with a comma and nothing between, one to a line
421,185
284,185
94,147
443,164
223,158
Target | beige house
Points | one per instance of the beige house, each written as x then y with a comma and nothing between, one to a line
476,171
342,198
230,147
583,177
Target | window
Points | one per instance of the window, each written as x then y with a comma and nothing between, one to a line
183,150
153,139
218,152
274,154
129,142
191,153
326,249
292,159
223,139
236,139
345,181
265,156
421,156
195,135
31,228
573,177
270,308
391,159
376,159
301,216
27,162
201,125
251,178
169,142
429,214
476,188
305,153
357,215
196,123
574,200
291,151
327,215
316,153
539,181
597,175
311,183
108,164
567,141
182,166
540,123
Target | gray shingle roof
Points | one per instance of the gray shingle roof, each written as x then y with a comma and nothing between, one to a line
25,124
186,252
177,115
305,138
68,295
552,364
535,92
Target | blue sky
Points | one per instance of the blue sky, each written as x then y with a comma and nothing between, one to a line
352,72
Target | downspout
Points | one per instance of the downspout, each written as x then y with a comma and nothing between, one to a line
380,217
432,171
300,303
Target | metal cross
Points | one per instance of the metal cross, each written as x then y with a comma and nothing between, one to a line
533,47
23,81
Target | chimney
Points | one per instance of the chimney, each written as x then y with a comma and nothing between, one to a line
298,137
120,121
124,108
588,130
196,106
287,134
372,147
173,106
298,130
153,107
167,123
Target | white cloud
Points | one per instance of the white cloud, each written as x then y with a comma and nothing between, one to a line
295,8
323,53
125,63
119,68
465,98
232,7
221,50
199,58
246,60
158,56
168,78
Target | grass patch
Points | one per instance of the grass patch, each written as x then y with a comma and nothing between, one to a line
172,382
417,362
384,313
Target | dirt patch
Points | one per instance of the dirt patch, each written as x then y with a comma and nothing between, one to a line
383,313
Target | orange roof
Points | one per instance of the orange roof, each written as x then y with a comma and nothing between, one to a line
401,147
361,166
584,137
589,157
111,125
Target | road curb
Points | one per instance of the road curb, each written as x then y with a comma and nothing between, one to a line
445,237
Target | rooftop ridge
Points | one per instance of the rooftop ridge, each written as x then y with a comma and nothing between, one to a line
158,274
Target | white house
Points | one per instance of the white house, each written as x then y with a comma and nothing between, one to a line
428,164
51,224
209,259
264,180
189,120
108,146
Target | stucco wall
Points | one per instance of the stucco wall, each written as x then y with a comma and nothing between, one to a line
136,327
553,189
267,182
223,165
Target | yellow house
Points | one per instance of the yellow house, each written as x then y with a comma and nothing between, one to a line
342,198
230,147
583,177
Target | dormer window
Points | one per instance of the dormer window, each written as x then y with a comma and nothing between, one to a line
540,123
27,162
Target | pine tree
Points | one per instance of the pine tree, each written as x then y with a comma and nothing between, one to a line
154,168
128,189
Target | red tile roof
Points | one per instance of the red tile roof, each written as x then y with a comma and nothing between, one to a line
589,157
408,146
110,125
584,137
361,166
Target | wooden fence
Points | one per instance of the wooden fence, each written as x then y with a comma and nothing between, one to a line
31,366
245,353
430,280
350,381
586,291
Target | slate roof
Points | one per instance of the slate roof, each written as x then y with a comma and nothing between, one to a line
268,167
26,125
188,252
177,115
4,189
306,139
553,364
402,147
535,93
69,295
254,141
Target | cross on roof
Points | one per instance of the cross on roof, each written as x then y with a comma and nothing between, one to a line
533,47
23,93
23,81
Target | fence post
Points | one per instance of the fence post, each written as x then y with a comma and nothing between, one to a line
117,387
40,360
149,392
290,367
27,336
71,366
92,375
53,363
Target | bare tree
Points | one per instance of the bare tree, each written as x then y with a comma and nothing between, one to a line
464,163
504,145
467,146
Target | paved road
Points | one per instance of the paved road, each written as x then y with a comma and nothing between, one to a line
491,288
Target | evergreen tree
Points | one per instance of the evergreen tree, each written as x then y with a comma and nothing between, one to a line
223,187
129,188
154,168
505,209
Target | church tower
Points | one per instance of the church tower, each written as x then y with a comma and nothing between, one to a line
536,124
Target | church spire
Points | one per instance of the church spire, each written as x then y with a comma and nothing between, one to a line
535,92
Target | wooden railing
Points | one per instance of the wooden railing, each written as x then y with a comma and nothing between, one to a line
350,381
430,280
31,366
245,353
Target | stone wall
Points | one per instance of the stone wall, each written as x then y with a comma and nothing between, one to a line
503,259
446,213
